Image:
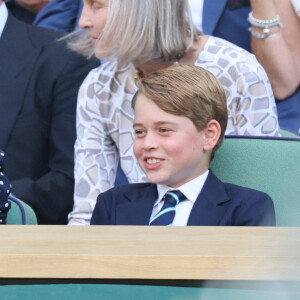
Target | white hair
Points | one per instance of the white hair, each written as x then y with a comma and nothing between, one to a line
141,30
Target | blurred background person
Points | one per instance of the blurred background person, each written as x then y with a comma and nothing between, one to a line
40,78
25,10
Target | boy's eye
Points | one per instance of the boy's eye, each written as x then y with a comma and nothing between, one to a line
139,131
164,130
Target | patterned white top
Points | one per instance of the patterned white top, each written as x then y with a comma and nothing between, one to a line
105,117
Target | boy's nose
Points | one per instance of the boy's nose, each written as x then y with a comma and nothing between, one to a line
149,142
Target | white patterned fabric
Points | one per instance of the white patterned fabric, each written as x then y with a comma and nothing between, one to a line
105,117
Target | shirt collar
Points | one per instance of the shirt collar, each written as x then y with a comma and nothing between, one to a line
191,189
3,17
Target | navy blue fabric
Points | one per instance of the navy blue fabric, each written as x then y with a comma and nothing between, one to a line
40,79
61,15
5,189
20,13
121,178
232,25
218,204
212,11
289,113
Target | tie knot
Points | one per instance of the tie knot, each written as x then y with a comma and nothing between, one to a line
174,197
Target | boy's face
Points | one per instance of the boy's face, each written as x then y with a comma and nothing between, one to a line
169,148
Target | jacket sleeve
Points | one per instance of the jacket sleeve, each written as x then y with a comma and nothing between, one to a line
103,209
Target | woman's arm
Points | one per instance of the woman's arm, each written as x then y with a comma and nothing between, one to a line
280,54
96,155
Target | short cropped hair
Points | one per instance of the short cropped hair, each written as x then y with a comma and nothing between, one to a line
189,91
137,31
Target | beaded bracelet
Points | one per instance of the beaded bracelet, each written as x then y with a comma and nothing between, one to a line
262,36
264,23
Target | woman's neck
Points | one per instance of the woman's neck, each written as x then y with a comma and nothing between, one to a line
190,58
151,66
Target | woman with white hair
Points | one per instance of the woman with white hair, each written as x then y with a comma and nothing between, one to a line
135,38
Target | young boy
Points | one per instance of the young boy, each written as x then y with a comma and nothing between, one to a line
180,120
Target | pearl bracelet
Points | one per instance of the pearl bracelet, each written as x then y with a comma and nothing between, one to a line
262,36
264,23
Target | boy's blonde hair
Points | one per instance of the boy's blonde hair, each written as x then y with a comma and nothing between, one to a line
189,91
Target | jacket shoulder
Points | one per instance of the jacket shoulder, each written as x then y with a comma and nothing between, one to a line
236,191
251,207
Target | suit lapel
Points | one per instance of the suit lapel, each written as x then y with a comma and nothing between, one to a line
212,10
17,58
138,208
208,209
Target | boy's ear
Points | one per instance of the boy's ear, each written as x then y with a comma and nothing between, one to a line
212,133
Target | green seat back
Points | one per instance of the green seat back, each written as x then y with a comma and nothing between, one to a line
20,213
271,165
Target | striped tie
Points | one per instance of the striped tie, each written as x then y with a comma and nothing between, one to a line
167,213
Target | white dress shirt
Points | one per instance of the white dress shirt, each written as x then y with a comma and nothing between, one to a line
197,12
190,189
3,17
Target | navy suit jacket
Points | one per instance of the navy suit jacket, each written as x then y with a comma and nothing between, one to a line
40,79
218,204
19,12
232,25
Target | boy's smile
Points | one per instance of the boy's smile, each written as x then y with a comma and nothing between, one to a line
152,163
169,148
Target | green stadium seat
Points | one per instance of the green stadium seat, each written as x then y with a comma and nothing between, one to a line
20,213
268,164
